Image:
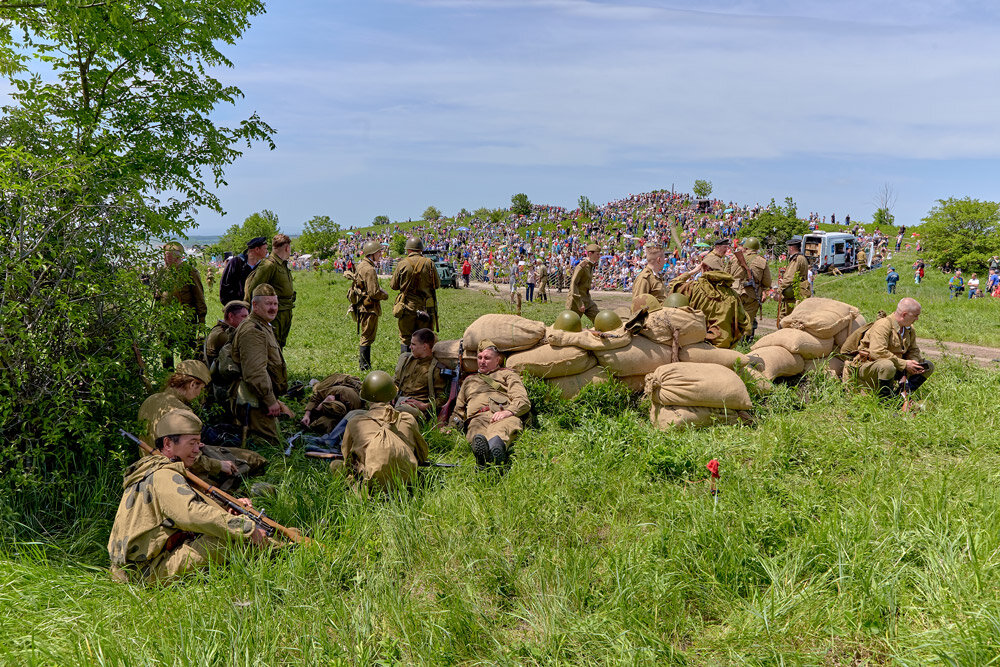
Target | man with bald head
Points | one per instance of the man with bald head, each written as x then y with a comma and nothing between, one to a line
886,356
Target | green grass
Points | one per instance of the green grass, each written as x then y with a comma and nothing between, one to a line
845,534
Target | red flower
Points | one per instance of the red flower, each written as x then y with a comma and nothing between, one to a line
713,467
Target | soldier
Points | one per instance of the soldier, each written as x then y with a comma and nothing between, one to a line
238,269
165,527
262,368
382,446
490,406
366,301
579,300
232,314
331,399
794,282
210,276
417,281
725,317
715,259
179,282
543,281
273,270
423,381
649,281
885,356
751,277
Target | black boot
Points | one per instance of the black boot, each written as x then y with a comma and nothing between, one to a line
913,382
481,450
498,450
365,357
887,388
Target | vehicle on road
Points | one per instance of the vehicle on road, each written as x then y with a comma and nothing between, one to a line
447,273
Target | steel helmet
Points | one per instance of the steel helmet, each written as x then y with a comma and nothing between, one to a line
371,248
751,243
567,320
676,300
378,387
607,320
415,243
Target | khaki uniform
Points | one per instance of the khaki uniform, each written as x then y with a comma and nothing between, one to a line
862,261
796,271
417,280
714,262
483,395
542,282
343,392
579,300
761,274
274,271
384,446
182,284
649,282
264,376
725,317
370,308
220,334
156,510
883,352
423,380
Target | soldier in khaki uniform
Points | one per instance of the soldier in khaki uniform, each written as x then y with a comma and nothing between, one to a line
579,300
794,282
750,286
222,466
178,281
490,406
369,306
273,270
542,284
233,314
725,318
715,259
885,353
165,527
263,374
331,399
649,281
382,447
422,380
417,281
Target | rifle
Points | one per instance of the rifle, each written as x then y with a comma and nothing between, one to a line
264,522
317,452
449,405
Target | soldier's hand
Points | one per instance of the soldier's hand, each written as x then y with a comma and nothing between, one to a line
258,538
274,409
229,467
913,367
419,405
286,410
244,502
503,414
306,420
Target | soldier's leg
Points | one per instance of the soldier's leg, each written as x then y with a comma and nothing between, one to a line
475,434
369,327
407,325
591,311
192,555
913,382
282,324
785,307
264,427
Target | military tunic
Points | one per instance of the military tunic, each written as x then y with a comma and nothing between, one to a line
481,396
220,334
649,282
714,262
274,271
331,399
725,317
761,274
416,279
797,272
384,446
156,510
542,283
414,378
883,352
370,307
264,376
579,300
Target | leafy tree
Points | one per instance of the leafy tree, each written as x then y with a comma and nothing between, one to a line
319,236
483,213
885,201
497,215
431,213
398,244
464,213
520,204
882,218
775,225
962,232
236,237
702,188
380,220
585,205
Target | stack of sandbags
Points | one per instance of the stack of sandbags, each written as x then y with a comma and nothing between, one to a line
546,361
447,352
661,325
851,327
785,351
692,394
573,343
823,318
510,333
706,353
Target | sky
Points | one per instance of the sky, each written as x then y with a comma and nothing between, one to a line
385,107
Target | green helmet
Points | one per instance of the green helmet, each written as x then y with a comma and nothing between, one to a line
751,243
378,387
371,248
676,300
567,320
607,320
415,243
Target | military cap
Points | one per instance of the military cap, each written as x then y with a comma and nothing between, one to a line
795,241
719,242
486,344
174,245
264,289
593,247
195,369
256,242
177,422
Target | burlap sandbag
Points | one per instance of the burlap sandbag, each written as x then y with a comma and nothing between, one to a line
570,385
446,351
797,342
509,333
640,357
761,383
851,327
778,362
697,385
546,361
706,353
832,365
636,383
661,324
678,416
823,318
587,340
469,363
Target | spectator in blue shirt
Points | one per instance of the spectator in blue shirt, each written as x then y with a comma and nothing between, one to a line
891,279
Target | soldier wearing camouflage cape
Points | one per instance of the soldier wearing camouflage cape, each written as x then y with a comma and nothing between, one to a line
178,281
417,281
711,294
273,270
165,527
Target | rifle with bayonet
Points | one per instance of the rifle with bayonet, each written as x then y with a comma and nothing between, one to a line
264,522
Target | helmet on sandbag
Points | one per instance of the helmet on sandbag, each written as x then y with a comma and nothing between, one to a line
378,387
607,320
676,300
414,243
751,243
371,248
567,320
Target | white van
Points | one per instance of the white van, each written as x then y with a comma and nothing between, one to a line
826,250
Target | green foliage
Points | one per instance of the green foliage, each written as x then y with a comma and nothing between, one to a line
483,213
236,237
962,232
319,236
463,213
381,220
497,215
585,205
776,225
520,204
398,245
702,188
431,213
883,218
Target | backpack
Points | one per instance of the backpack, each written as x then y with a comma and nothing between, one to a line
225,371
